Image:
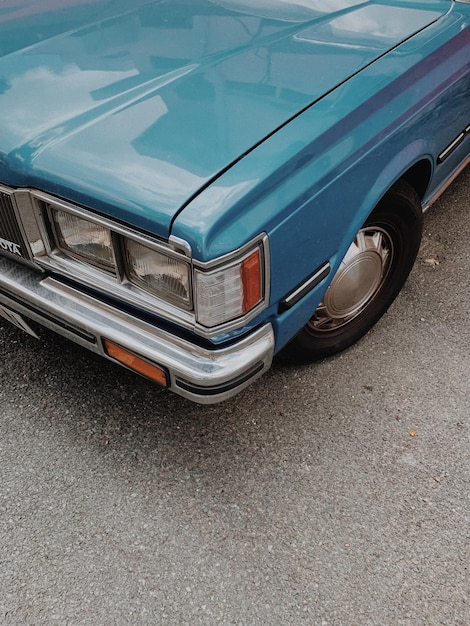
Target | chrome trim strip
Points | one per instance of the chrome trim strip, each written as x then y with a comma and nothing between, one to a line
76,316
301,291
180,245
453,145
214,390
27,216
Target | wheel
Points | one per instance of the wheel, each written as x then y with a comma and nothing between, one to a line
370,276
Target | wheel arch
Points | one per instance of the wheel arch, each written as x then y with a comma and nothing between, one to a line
418,176
413,164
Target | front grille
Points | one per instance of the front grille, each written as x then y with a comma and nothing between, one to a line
12,242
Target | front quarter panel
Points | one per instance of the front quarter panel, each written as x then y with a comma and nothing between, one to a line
312,184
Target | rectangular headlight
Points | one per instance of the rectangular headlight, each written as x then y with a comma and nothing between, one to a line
157,273
229,292
84,239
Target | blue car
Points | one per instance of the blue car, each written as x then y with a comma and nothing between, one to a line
188,186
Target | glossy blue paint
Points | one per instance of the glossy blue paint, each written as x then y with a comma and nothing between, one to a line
137,108
332,137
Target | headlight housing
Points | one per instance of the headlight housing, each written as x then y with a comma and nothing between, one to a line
209,298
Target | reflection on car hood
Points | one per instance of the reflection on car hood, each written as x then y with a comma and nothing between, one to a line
133,107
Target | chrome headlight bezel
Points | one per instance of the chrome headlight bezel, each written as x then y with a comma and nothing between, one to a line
117,282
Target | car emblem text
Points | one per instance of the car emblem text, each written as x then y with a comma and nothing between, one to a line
9,246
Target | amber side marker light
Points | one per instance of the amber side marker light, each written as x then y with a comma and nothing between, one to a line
251,278
136,363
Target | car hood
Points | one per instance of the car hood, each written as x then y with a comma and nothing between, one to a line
133,107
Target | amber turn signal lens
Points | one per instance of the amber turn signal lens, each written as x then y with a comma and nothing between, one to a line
136,363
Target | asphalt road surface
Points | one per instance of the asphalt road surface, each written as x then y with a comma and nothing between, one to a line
329,494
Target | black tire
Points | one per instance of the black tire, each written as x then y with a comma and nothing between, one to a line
369,278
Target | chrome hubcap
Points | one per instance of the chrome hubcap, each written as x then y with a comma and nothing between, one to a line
359,277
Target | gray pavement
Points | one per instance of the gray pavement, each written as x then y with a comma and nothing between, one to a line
333,494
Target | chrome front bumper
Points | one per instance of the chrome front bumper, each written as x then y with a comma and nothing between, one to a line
204,376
